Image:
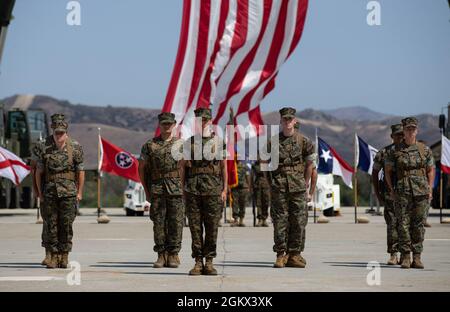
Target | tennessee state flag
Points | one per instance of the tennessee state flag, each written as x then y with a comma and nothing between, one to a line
117,161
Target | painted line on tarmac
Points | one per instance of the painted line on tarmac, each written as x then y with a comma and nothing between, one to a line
30,278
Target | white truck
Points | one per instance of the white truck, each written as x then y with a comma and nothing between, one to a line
135,203
327,197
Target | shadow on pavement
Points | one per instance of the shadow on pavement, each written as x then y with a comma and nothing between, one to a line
150,265
245,264
364,265
157,273
127,262
25,265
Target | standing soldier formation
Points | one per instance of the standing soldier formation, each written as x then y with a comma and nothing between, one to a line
240,194
411,164
206,191
289,184
163,177
198,183
385,197
59,181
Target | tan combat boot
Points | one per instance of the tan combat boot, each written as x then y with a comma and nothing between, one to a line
264,223
393,260
241,222
198,267
161,261
172,260
260,223
417,263
406,263
53,263
209,268
48,256
302,259
281,260
294,261
63,260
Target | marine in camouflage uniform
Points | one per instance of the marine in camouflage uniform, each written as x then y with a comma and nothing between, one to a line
261,187
35,155
206,190
60,170
162,178
240,194
383,197
289,184
412,192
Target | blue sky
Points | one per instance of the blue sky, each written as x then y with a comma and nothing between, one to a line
123,54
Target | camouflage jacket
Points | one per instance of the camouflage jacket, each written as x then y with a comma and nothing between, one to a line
162,171
259,177
293,153
378,164
210,182
411,168
59,171
243,174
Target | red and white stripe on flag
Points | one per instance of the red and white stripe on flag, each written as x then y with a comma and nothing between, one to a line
12,167
445,155
229,54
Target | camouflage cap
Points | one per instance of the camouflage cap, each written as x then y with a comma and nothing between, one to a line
59,123
287,112
166,118
396,129
410,122
203,112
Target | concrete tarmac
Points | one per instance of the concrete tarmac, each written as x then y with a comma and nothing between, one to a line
119,256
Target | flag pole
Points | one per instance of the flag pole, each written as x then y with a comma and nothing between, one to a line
317,165
355,180
441,191
98,176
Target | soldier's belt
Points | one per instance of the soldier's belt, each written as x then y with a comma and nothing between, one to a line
162,175
409,173
51,177
202,170
290,168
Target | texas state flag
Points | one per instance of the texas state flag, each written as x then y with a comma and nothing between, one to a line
331,162
366,155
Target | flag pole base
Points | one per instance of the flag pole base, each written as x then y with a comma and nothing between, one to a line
362,220
323,219
103,217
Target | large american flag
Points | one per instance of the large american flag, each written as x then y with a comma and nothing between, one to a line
229,55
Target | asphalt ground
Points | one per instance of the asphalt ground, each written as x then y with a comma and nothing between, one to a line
119,256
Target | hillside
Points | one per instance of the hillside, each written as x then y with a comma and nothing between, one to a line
130,127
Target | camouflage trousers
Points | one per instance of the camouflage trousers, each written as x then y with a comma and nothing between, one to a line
204,214
61,213
262,202
167,214
289,214
392,226
411,214
239,202
44,234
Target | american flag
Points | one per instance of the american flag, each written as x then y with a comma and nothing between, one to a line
229,55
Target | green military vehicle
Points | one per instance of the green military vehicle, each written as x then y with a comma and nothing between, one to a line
22,129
